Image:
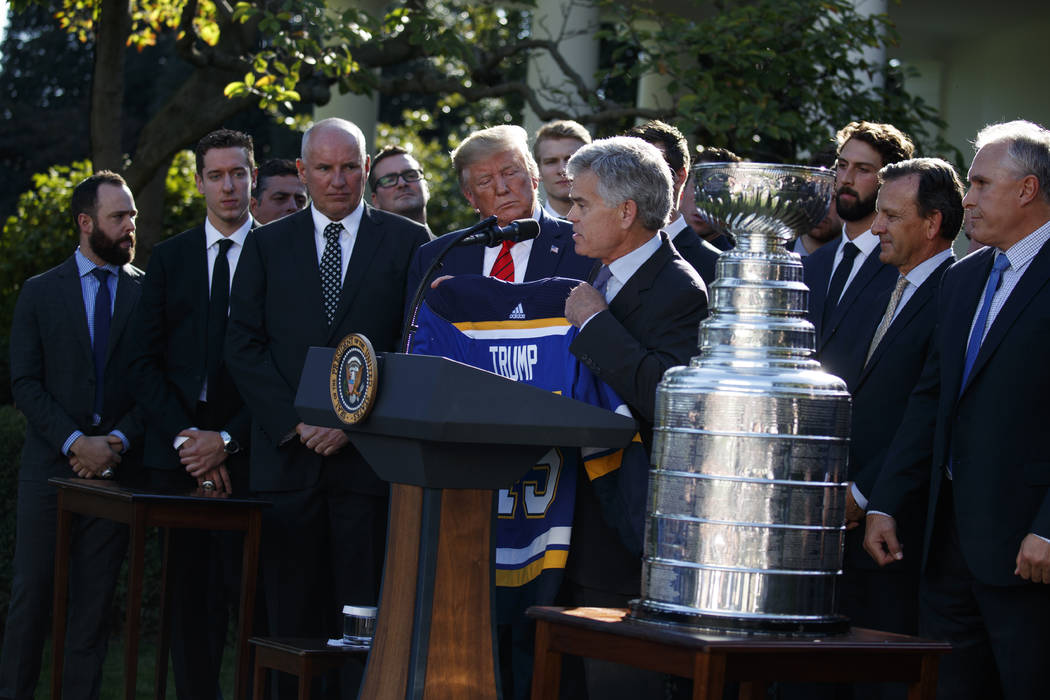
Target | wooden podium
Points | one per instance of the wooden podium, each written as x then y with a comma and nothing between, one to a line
446,436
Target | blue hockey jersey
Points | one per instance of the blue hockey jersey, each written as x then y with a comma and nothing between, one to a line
519,331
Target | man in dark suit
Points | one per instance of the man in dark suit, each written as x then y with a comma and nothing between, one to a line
641,317
499,177
69,353
196,421
846,277
980,411
919,213
335,268
699,253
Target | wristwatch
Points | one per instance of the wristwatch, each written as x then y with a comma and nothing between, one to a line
229,445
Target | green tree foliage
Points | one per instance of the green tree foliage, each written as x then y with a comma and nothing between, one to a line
40,234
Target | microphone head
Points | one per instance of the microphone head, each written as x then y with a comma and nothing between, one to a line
526,229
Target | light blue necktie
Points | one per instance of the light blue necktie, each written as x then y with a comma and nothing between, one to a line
601,280
995,277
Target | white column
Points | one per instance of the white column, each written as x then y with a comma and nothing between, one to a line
875,55
652,86
572,25
362,110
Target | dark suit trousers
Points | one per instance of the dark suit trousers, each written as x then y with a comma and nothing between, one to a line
98,548
322,549
1000,635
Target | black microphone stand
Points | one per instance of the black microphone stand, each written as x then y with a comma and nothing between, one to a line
410,327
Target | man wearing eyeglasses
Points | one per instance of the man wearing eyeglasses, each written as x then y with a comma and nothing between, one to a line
398,185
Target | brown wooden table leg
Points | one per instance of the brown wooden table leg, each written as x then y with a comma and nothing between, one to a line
925,688
63,535
546,667
136,564
164,643
709,676
305,678
259,685
249,573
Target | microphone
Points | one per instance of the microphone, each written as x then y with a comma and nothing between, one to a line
490,234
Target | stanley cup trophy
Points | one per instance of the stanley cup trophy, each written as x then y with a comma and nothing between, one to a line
747,503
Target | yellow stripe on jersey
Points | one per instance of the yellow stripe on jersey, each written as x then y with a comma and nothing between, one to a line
514,578
548,323
600,466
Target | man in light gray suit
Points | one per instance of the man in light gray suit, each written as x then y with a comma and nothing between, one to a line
69,354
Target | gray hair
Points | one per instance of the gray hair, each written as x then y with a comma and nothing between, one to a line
335,124
1027,145
629,168
488,142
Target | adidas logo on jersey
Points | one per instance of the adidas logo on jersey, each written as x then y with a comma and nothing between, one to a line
518,314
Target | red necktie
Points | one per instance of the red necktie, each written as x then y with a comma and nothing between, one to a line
503,268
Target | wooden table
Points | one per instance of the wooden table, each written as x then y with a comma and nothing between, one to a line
711,659
303,658
142,508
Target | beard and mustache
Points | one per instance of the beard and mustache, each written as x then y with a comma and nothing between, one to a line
860,209
110,250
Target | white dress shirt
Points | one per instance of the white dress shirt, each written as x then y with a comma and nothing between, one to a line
347,237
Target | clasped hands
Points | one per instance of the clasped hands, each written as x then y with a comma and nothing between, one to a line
90,456
204,455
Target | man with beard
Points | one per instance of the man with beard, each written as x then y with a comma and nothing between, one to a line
846,277
69,353
196,419
398,184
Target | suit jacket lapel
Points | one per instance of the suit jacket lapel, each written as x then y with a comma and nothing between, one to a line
72,294
302,256
628,299
1033,279
369,237
867,271
127,295
821,266
959,320
197,282
547,250
922,296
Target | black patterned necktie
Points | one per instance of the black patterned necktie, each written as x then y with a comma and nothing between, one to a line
218,310
838,281
331,267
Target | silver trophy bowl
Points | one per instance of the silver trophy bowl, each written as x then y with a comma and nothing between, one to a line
746,506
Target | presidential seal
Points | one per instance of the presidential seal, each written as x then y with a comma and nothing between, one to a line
353,379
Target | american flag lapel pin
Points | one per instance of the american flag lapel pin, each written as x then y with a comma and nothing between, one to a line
554,249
